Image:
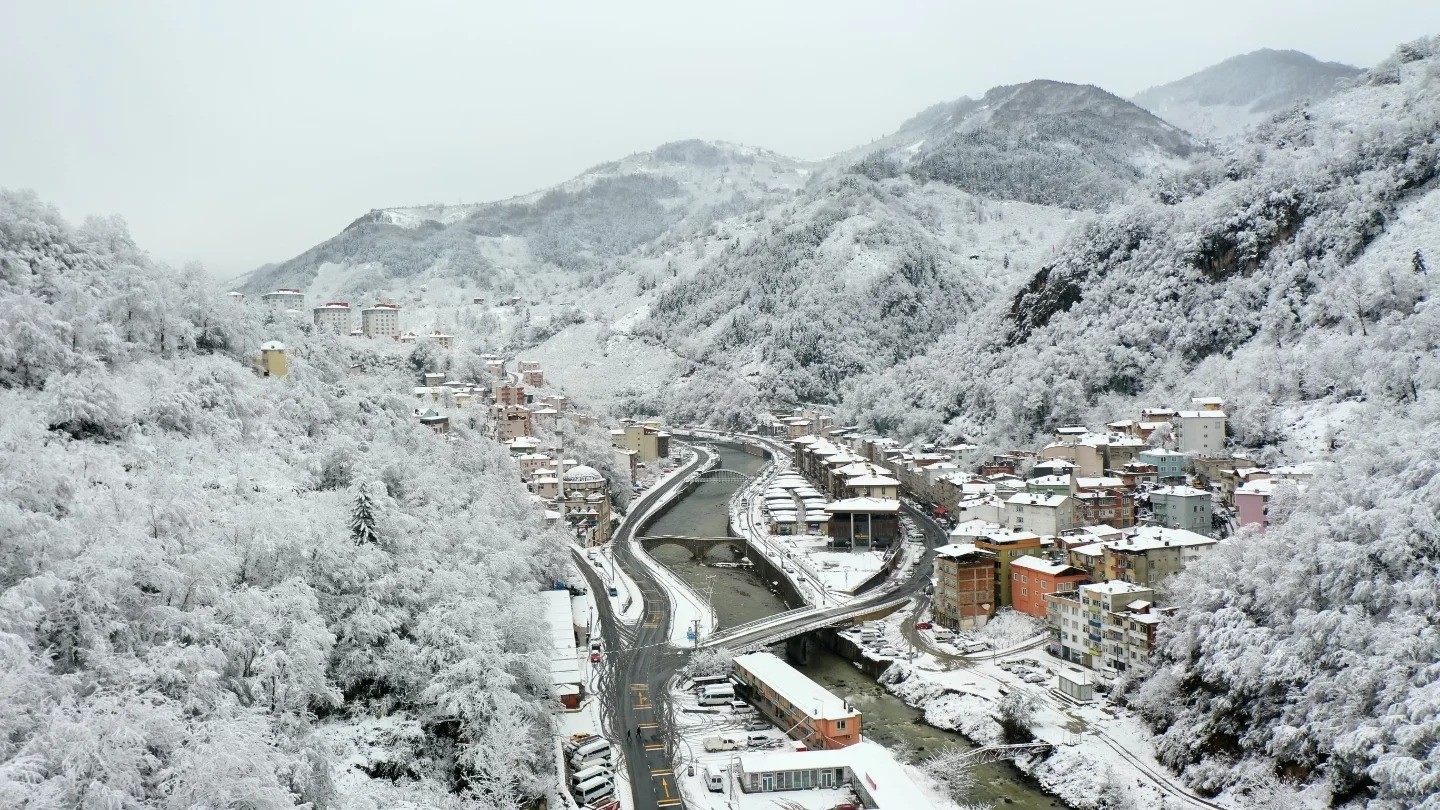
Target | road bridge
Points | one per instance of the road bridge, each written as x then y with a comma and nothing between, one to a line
785,626
723,474
699,547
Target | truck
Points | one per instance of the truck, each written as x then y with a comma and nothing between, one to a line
718,743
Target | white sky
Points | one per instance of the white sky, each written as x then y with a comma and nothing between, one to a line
241,133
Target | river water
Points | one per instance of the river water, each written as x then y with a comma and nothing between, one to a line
739,596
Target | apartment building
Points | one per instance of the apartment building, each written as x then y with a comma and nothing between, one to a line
805,710
381,320
1181,507
965,581
1032,578
333,316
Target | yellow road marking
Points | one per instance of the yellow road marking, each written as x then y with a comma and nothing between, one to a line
662,772
660,747
665,783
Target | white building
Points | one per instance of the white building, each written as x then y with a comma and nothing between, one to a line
333,316
1200,433
285,298
1038,513
381,320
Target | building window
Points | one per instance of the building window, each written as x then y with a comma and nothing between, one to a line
840,724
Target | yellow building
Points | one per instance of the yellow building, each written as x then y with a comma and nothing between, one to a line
274,362
1007,546
649,442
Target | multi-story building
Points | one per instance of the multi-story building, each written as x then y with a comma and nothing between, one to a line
381,320
1078,620
511,422
647,439
1252,503
510,395
1169,465
1181,507
1007,546
535,378
1151,553
965,596
872,522
1111,507
284,298
807,711
1042,514
494,366
1031,578
274,361
444,340
333,316
1200,432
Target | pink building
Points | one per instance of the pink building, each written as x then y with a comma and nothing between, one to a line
1252,502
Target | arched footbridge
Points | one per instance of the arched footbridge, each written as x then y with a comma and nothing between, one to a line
699,547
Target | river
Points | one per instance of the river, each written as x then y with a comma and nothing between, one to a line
739,597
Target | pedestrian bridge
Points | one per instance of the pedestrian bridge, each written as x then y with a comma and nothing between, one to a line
699,547
722,474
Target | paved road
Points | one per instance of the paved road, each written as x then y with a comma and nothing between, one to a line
908,585
638,664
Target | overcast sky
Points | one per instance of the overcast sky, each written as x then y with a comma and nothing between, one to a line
241,133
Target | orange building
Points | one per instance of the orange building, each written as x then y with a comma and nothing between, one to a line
1033,577
808,710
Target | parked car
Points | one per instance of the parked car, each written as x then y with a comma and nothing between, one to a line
594,656
924,625
614,591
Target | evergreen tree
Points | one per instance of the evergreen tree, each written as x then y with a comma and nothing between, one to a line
362,518
1417,262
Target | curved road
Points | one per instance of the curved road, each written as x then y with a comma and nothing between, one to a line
638,662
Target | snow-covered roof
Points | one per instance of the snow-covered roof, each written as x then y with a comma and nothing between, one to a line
1100,483
1057,463
1146,538
974,528
1051,481
272,346
887,784
582,474
803,694
1201,415
864,505
1178,492
1160,451
871,481
961,550
1035,499
1043,566
1115,586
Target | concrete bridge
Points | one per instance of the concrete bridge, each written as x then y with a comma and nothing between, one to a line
760,634
699,547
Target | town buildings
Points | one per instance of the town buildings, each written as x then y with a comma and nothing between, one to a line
333,316
647,439
381,320
1169,465
965,596
1032,578
284,298
1200,432
1181,507
1088,626
805,709
274,360
1041,514
1007,546
1149,554
872,522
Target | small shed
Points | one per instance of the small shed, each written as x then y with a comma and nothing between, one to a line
1077,685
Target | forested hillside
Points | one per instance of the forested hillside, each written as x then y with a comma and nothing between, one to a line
1042,142
212,583
856,276
1291,276
1224,100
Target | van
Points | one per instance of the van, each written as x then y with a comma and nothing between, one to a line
596,788
581,777
715,778
594,749
719,694
701,681
602,758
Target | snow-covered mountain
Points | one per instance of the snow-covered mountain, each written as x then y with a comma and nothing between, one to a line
1042,142
512,245
1242,91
